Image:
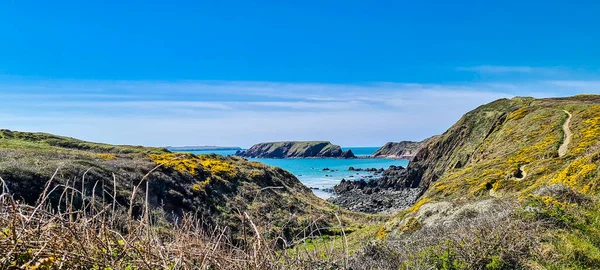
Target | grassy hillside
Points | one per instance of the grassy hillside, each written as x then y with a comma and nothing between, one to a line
510,138
43,141
498,171
227,202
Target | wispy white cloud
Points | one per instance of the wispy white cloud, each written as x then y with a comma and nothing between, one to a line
499,69
529,71
581,86
139,105
243,113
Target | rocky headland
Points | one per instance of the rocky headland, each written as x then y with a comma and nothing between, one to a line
401,150
398,150
296,149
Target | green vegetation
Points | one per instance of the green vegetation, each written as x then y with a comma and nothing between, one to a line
507,151
137,198
42,141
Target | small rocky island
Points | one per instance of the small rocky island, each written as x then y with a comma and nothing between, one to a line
296,149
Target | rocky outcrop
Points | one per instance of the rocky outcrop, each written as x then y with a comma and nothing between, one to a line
347,154
455,148
452,150
386,181
295,150
399,150
375,196
385,201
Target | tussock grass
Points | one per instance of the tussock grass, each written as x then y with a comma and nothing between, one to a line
499,240
103,235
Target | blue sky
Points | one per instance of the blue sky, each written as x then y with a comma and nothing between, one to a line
241,72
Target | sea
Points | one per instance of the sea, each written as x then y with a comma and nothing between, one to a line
310,170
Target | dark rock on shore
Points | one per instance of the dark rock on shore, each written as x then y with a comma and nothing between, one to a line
384,194
328,190
377,201
348,154
366,170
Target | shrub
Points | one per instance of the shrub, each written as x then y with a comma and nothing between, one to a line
500,240
107,157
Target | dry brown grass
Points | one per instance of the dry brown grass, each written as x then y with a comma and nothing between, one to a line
499,240
104,235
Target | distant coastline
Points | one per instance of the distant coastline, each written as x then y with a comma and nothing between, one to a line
203,148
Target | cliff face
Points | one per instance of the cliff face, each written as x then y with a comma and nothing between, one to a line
508,146
513,146
457,146
399,150
214,187
295,150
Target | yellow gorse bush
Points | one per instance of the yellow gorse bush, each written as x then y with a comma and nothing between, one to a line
219,168
553,202
589,134
107,156
518,114
418,205
189,163
201,185
576,174
181,162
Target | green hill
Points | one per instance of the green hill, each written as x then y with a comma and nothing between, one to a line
216,189
498,171
494,146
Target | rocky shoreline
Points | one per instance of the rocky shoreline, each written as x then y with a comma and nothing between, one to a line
381,202
381,195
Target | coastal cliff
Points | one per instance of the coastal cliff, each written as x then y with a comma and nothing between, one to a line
296,149
398,150
493,146
515,174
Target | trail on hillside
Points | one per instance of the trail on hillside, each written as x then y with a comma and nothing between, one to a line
562,150
523,173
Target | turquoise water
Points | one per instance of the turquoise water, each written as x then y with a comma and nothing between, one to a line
362,151
310,170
